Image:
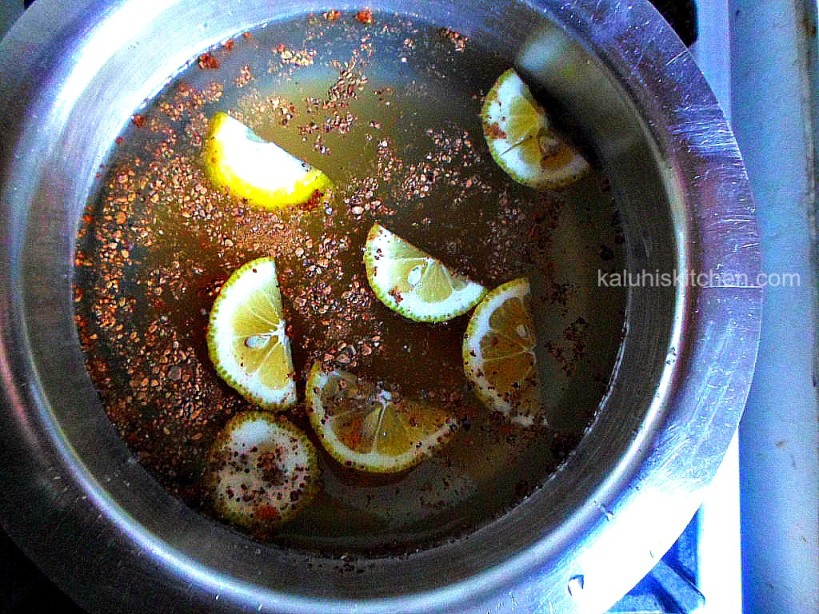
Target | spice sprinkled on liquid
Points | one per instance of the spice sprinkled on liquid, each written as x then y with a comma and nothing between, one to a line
390,110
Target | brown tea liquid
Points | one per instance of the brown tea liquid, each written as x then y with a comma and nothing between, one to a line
390,111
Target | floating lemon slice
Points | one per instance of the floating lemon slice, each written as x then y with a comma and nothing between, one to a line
261,172
366,427
246,336
263,471
521,140
413,283
499,353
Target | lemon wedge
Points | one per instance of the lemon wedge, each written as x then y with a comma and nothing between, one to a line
247,339
367,427
258,171
263,471
413,283
521,139
499,354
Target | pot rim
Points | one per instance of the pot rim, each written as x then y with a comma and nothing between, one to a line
722,322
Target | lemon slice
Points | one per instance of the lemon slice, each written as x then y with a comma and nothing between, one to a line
261,172
499,353
263,470
246,336
366,427
413,283
521,140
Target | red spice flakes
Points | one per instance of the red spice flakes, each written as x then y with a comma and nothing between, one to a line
138,120
365,16
458,39
303,57
245,76
494,131
314,201
332,15
208,62
576,334
228,44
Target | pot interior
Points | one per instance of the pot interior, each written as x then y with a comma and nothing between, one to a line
127,60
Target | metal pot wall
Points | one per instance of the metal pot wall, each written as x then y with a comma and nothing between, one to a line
105,531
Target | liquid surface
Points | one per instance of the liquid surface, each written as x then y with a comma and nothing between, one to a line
390,110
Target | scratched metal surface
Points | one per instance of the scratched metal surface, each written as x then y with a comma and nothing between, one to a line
73,496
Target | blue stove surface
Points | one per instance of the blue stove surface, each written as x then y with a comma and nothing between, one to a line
672,584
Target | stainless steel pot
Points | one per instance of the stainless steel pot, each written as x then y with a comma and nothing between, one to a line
93,519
